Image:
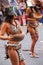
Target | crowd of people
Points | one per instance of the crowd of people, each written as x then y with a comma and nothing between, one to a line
14,14
19,8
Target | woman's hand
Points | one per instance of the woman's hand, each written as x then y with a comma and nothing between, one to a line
3,37
6,37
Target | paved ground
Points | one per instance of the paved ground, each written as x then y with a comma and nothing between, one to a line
26,43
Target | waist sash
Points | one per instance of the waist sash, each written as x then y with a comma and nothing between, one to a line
14,46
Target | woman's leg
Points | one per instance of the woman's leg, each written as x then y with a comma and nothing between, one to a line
34,37
13,56
33,45
22,63
34,40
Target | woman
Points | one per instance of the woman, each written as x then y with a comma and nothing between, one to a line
15,35
32,29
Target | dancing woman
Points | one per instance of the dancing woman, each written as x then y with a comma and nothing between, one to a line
32,29
15,35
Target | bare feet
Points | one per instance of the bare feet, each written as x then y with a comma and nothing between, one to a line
30,52
34,55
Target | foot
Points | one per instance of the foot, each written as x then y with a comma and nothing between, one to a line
34,55
30,52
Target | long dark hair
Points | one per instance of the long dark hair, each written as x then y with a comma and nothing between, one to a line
8,18
0,21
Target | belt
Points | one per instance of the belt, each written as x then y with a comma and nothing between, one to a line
13,46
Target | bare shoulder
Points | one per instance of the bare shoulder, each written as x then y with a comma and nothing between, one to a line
5,28
5,24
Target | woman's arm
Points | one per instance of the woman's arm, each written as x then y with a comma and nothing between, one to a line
10,37
3,31
31,19
5,38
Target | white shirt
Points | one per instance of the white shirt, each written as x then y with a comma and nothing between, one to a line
30,3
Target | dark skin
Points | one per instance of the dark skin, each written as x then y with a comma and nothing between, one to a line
6,28
32,32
